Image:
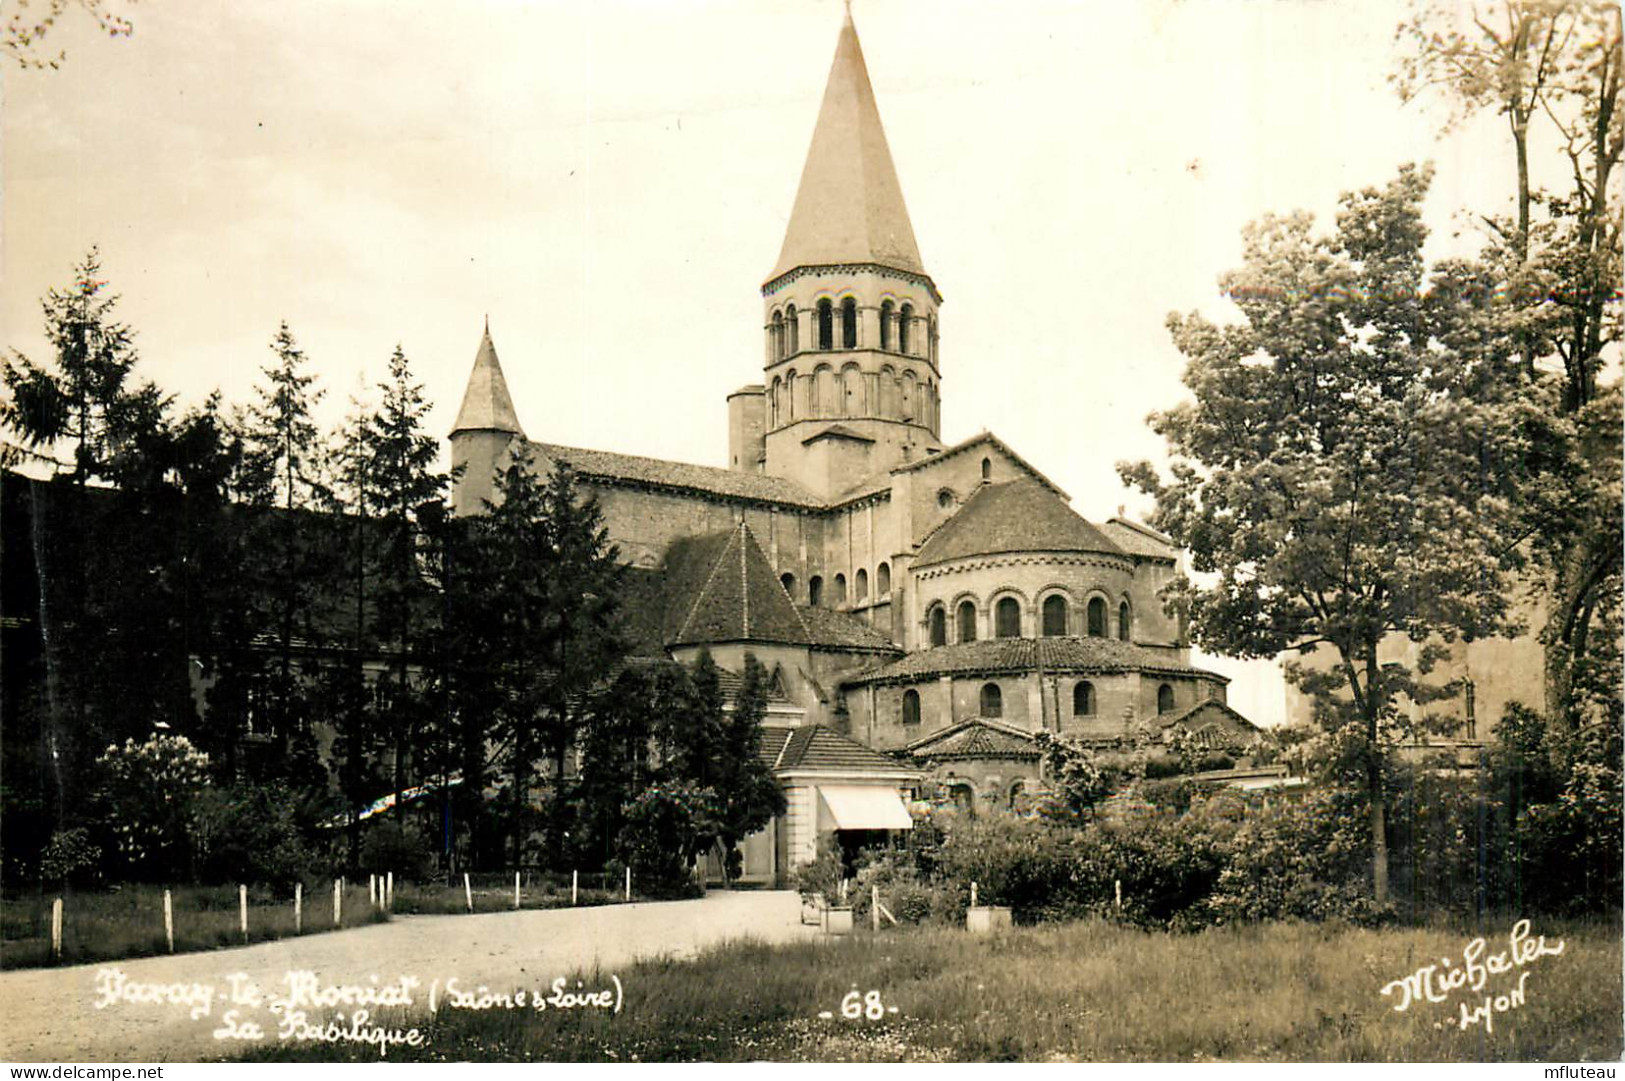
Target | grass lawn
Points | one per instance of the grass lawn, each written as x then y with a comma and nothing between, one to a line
1089,991
129,922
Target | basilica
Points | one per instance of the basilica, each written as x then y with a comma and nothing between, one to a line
924,608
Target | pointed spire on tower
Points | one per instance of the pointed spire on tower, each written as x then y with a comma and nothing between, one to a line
487,406
849,207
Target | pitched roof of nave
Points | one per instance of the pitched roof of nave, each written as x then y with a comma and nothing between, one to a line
723,589
487,405
634,469
1138,539
1012,656
849,207
1015,516
1209,711
981,439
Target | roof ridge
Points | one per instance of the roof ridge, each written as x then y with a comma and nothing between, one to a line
699,594
744,581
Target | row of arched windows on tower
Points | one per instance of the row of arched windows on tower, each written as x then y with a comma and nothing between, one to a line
852,392
990,701
835,326
860,586
1053,619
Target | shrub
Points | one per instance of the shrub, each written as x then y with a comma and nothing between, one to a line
905,892
822,875
401,847
70,855
1027,864
151,792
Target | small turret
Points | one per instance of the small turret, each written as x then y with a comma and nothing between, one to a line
487,425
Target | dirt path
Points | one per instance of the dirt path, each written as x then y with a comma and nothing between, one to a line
51,1014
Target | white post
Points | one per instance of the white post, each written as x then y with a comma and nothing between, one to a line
629,883
338,902
242,910
56,928
298,907
874,905
169,922
372,890
468,891
1117,884
575,882
973,895
389,891
516,889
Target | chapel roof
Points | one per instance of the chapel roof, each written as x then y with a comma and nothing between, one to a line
975,739
487,405
849,207
817,747
1206,712
1016,516
721,588
1139,539
995,656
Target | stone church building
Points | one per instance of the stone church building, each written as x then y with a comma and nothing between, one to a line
924,608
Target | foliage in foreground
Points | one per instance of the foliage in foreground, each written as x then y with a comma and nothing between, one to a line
1276,992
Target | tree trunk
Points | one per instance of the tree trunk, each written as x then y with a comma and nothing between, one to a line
1375,797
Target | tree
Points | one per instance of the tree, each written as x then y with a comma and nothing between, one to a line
748,797
1077,778
1352,466
1551,65
21,35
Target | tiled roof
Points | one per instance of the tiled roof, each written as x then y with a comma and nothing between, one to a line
836,431
631,468
730,682
721,588
487,405
814,746
975,739
849,206
1206,712
1018,516
1026,654
1138,539
842,629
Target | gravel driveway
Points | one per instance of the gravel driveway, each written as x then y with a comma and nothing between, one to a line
52,1014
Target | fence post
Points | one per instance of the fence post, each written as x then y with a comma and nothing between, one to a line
629,882
338,902
242,911
973,895
56,928
874,905
468,891
516,890
575,882
298,908
1117,885
389,892
169,922
375,895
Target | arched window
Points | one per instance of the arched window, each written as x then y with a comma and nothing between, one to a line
1097,618
911,410
945,498
987,469
840,589
815,591
1007,618
773,403
883,580
826,324
777,336
790,324
852,403
1165,699
937,619
967,621
992,700
905,329
911,707
887,314
1054,615
1083,699
1123,623
862,584
790,395
788,581
931,337
849,324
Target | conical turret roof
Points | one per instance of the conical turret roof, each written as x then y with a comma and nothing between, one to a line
487,406
849,208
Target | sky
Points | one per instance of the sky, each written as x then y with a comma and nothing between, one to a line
609,184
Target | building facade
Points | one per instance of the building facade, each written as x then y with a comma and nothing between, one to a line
903,591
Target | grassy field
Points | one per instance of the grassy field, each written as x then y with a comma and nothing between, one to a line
129,922
1083,991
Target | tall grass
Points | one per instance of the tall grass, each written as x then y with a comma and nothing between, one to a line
129,922
1088,991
